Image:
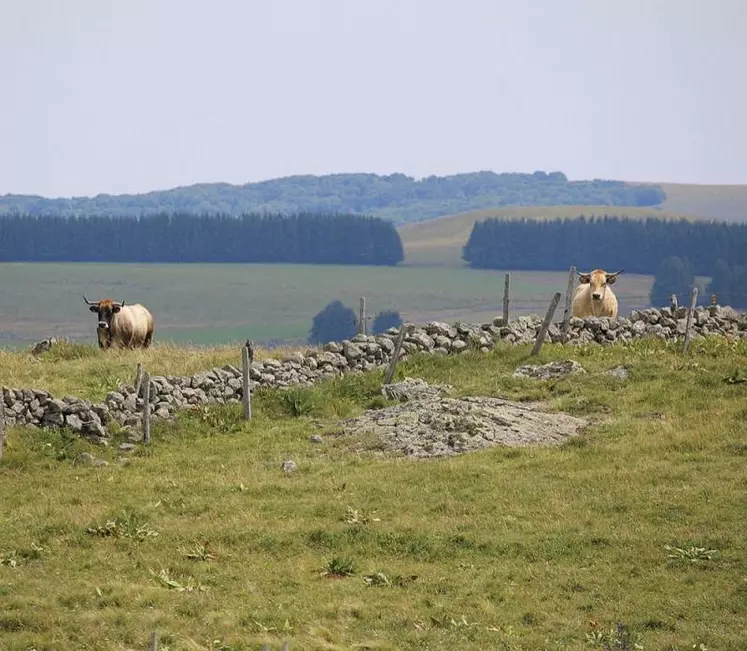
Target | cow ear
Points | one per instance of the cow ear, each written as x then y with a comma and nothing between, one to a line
611,279
586,278
116,308
94,308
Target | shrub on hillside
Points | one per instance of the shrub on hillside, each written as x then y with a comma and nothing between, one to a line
334,323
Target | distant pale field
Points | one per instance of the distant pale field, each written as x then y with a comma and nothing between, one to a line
718,202
224,303
440,241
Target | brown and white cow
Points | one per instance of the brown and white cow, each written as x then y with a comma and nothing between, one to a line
594,296
120,325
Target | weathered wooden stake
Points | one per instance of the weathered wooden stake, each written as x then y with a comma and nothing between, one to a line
362,316
690,312
154,641
545,324
246,363
673,302
138,378
713,299
2,424
395,355
505,299
146,407
568,298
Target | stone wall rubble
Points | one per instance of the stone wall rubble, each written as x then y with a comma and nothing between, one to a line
362,353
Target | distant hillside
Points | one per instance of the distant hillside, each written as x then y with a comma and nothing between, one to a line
440,241
720,202
397,197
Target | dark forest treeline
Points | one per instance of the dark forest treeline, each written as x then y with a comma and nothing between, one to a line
397,197
299,238
611,243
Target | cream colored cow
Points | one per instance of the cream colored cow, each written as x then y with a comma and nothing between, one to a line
594,296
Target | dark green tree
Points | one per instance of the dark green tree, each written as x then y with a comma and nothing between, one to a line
334,323
385,320
675,276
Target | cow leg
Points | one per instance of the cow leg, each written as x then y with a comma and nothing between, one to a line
146,341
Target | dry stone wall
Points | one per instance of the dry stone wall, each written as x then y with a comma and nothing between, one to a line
362,353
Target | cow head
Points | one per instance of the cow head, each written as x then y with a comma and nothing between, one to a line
105,309
598,281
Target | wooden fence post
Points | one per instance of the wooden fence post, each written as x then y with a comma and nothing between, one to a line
673,304
545,324
362,316
154,641
246,363
138,378
2,423
506,285
713,299
690,311
146,407
395,355
568,297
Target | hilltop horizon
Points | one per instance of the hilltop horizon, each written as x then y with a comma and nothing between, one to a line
417,178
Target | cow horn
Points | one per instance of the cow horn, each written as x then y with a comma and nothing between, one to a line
89,302
120,304
616,273
581,273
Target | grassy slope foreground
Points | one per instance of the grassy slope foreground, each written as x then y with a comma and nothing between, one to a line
203,537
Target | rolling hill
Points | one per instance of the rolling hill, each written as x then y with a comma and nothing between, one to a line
719,202
440,241
396,196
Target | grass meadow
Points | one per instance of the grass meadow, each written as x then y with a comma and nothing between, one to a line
630,534
226,303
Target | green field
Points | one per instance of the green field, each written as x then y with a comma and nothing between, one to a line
223,303
202,537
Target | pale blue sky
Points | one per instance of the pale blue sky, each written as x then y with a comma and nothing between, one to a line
112,96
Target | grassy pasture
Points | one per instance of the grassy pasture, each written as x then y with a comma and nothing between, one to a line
224,303
514,549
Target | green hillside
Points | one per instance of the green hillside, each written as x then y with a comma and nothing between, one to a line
397,197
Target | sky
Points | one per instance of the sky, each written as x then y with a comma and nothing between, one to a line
129,96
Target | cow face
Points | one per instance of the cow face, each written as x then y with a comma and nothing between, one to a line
598,281
105,310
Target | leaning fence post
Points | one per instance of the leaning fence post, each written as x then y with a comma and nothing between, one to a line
246,363
2,423
506,284
673,304
568,296
690,311
395,355
146,407
362,316
154,641
545,324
